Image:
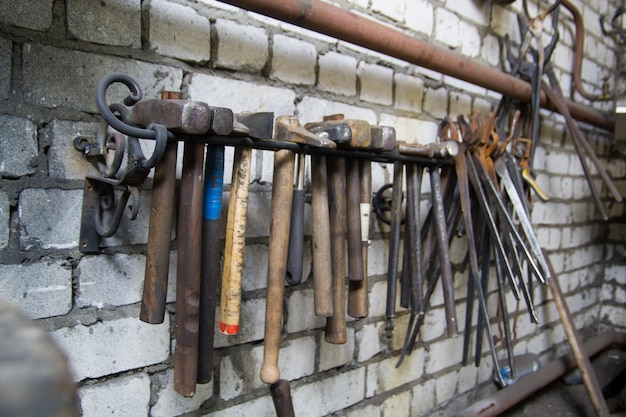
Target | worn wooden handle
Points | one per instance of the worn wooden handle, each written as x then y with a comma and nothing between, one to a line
320,238
234,246
282,192
358,303
353,215
188,270
335,331
281,395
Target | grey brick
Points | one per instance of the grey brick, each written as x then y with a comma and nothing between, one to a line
49,81
110,280
179,31
111,22
41,289
293,60
133,232
409,93
120,396
169,403
49,218
6,56
18,146
5,216
31,14
337,74
332,356
259,407
376,83
351,385
120,345
240,47
64,161
252,324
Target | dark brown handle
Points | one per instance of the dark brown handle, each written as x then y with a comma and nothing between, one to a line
281,394
336,324
320,238
160,233
210,266
358,303
282,191
188,270
353,215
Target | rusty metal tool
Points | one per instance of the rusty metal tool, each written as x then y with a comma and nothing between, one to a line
259,126
281,395
394,243
160,233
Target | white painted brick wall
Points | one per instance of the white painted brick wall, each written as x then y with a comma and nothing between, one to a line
332,355
293,60
397,405
469,39
420,16
169,403
445,386
42,289
337,74
351,385
312,109
376,83
384,376
409,92
178,31
423,397
130,395
262,407
241,47
120,345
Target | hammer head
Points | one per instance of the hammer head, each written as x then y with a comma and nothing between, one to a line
383,138
346,133
192,117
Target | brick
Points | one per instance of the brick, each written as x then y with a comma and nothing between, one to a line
504,22
169,403
459,104
409,92
35,14
442,355
491,50
18,146
312,109
300,312
351,385
6,60
376,83
297,358
367,411
293,60
5,217
411,130
110,280
434,324
178,31
447,28
64,161
109,23
128,396
41,289
50,82
613,315
423,397
482,105
391,9
337,74
59,228
241,95
255,268
261,407
420,16
368,341
378,293
333,356
252,324
562,187
436,102
240,47
397,405
445,387
469,39
467,378
120,345
383,376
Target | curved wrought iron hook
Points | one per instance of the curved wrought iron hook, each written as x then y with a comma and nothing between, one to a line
134,96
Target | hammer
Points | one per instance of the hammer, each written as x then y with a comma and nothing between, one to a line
287,129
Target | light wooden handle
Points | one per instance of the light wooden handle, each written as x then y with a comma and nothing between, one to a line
234,247
320,238
280,215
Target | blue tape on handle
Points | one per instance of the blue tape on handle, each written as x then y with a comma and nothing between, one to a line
213,182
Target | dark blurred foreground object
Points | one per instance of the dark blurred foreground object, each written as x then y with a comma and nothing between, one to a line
35,380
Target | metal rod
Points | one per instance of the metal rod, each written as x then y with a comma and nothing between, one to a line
336,22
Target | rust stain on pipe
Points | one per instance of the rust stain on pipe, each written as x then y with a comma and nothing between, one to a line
344,25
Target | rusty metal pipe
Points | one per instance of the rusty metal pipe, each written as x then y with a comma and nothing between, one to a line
341,24
531,383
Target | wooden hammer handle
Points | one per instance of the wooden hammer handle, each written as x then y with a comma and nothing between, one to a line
335,331
320,238
234,246
281,395
282,192
188,270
